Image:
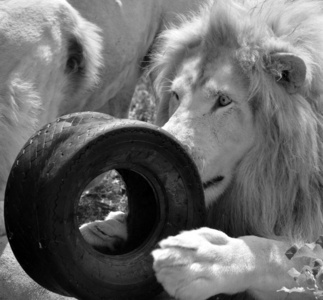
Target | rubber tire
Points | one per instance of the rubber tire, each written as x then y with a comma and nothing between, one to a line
46,182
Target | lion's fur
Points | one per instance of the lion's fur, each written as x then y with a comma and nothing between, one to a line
36,39
277,187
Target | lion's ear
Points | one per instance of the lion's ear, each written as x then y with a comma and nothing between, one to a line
289,70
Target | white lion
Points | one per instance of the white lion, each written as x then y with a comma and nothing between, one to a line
241,85
60,56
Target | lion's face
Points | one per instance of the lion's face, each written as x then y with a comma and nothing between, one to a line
246,101
210,114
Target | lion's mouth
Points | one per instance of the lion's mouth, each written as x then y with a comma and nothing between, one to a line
213,181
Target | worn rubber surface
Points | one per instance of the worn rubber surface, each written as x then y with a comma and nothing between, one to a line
165,196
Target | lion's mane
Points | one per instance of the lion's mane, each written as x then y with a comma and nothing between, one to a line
277,187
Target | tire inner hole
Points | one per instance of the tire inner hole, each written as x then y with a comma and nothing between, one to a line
120,190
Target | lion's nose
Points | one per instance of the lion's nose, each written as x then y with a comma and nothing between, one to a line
194,155
187,148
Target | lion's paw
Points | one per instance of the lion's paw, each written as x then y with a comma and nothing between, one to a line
198,264
108,234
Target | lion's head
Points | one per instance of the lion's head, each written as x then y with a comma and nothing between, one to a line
241,85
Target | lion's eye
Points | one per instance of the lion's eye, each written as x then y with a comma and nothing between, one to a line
175,95
224,101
